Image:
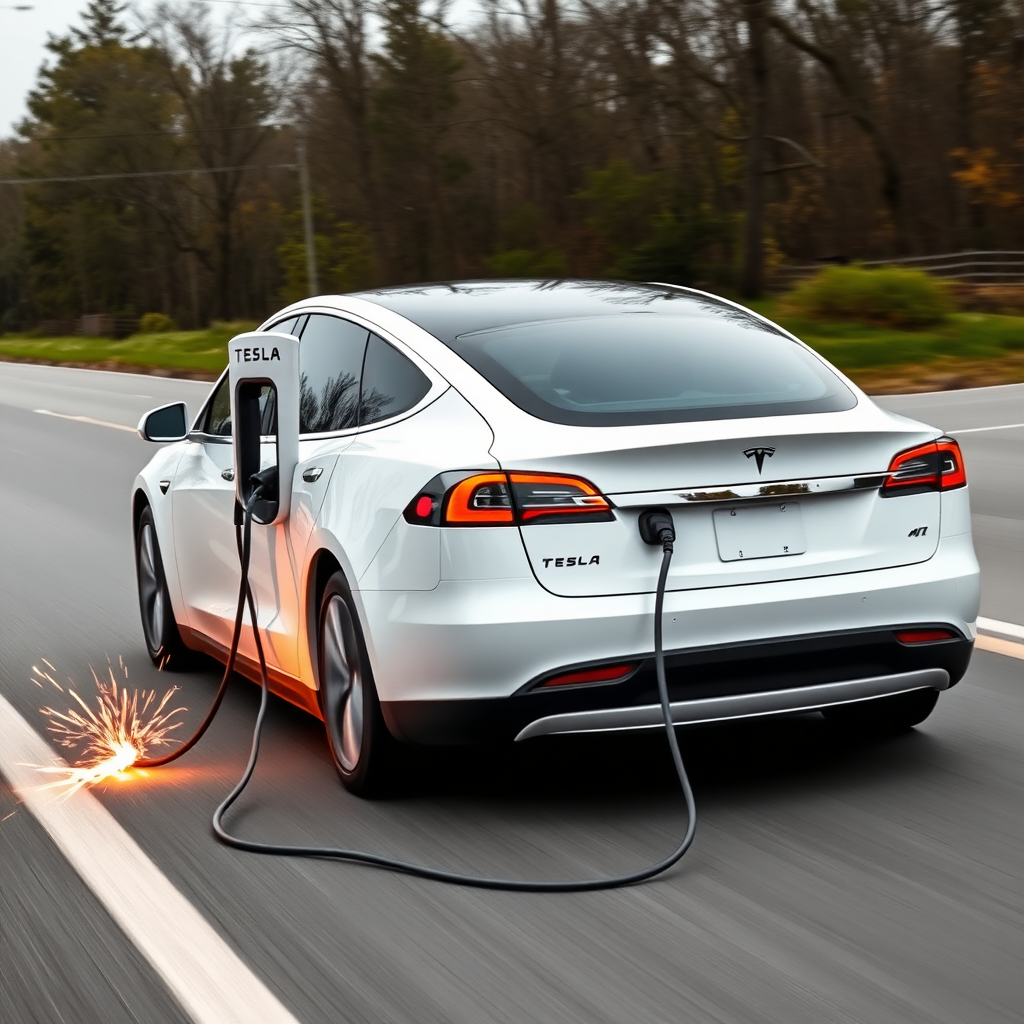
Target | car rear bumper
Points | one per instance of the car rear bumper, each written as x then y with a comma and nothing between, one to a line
706,684
744,705
488,638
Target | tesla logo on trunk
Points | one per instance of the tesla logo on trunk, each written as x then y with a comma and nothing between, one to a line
760,454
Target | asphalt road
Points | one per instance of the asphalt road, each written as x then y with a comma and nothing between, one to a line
831,879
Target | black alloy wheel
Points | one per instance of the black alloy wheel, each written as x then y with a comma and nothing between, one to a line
885,714
163,640
363,751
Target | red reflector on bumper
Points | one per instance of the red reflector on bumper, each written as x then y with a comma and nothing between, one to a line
923,636
605,674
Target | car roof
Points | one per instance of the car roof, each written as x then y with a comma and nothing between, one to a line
453,308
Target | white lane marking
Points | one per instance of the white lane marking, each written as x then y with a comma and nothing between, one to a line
953,391
1005,628
997,645
86,419
978,430
200,969
4,364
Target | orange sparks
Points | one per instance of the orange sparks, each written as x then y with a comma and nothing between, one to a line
112,735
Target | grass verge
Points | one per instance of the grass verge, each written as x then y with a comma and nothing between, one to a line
966,350
198,354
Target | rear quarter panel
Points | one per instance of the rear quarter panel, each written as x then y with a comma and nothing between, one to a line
375,478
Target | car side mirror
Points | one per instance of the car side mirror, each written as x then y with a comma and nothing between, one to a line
168,423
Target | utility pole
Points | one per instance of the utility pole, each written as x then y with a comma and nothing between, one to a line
307,212
752,271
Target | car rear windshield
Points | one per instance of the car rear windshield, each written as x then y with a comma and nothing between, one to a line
644,368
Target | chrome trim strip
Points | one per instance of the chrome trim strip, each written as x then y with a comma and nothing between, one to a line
198,437
750,492
823,485
744,705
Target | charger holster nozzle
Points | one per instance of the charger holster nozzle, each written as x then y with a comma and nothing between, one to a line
265,481
657,528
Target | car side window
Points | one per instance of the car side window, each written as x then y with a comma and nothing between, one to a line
218,412
268,411
217,420
392,383
291,326
330,366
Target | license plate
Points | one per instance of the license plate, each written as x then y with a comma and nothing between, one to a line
759,531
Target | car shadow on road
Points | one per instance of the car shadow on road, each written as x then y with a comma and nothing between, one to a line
728,761
783,754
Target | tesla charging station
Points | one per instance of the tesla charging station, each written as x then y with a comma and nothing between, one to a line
263,375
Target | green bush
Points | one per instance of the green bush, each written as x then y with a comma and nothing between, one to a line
547,262
156,323
890,296
225,330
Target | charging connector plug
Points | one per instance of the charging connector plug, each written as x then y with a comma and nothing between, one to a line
265,481
657,528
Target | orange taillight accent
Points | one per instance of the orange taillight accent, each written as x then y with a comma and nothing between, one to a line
505,499
465,506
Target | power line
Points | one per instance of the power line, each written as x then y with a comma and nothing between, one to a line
302,167
176,131
148,174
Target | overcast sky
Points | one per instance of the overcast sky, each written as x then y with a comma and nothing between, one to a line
23,37
23,49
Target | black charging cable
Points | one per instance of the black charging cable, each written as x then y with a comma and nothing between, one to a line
656,527
244,549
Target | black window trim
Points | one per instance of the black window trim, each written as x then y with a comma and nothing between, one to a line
200,436
438,385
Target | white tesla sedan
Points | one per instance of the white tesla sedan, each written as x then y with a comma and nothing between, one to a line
461,561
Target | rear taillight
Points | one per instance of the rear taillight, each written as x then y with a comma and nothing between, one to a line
936,466
507,499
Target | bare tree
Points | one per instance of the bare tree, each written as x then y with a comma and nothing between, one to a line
226,97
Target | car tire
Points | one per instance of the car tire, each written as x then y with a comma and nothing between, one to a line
363,751
163,639
885,714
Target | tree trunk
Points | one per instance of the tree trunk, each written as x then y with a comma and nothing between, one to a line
892,176
751,282
224,262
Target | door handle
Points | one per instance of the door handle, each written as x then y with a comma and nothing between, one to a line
312,474
228,474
